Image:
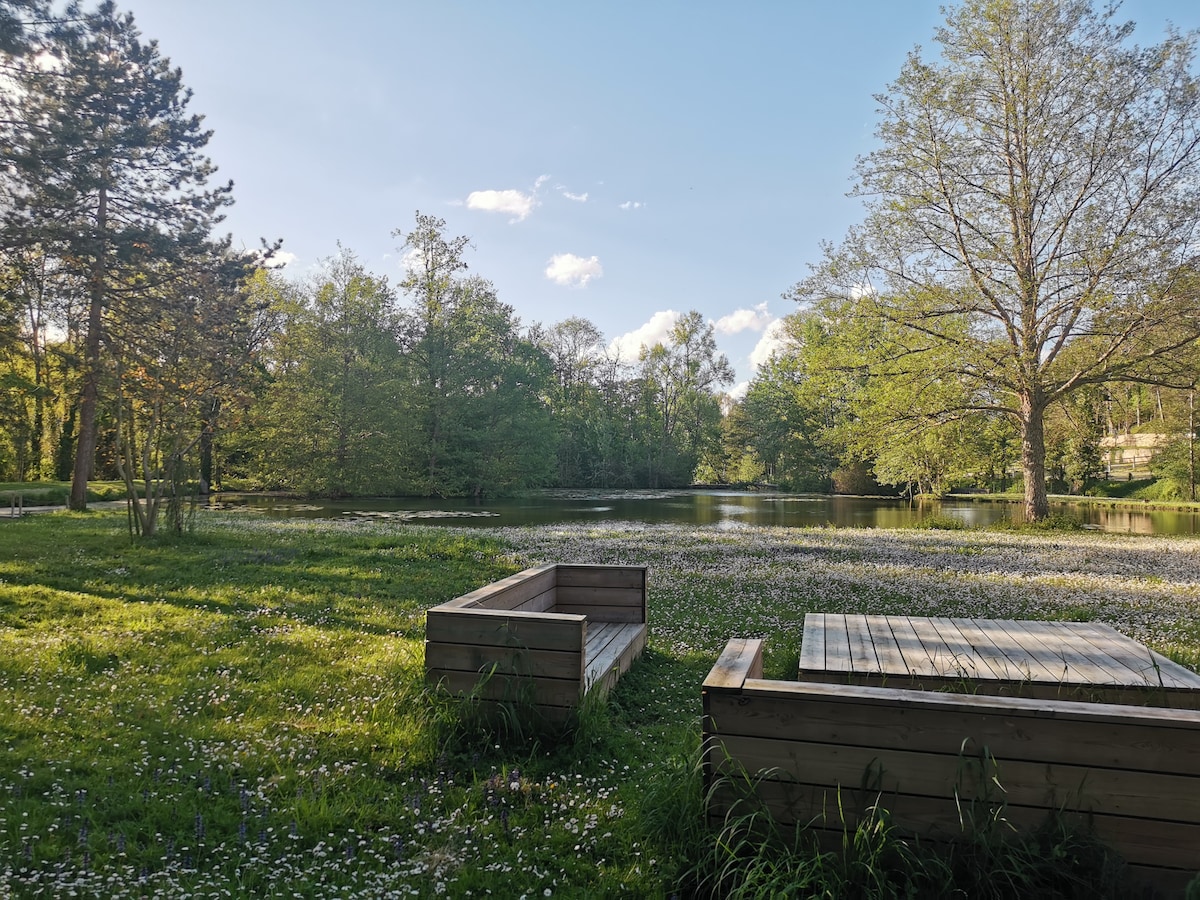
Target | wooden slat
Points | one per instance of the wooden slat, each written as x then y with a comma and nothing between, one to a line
1166,797
624,644
812,645
1125,652
962,650
1082,668
600,596
602,613
891,660
526,584
535,631
1165,846
477,658
508,688
837,644
541,603
985,648
602,576
863,660
1012,728
741,659
1059,661
1029,668
916,660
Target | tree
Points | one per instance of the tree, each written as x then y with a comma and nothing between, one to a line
1031,212
680,380
173,369
109,177
329,421
474,384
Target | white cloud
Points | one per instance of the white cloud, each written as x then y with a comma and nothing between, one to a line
744,320
656,331
632,204
773,340
578,198
541,179
513,202
279,259
570,270
739,390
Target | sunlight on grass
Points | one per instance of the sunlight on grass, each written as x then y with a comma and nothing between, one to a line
244,709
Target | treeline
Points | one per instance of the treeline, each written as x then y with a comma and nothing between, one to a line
137,345
817,417
433,387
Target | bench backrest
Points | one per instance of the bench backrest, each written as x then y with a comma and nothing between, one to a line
602,593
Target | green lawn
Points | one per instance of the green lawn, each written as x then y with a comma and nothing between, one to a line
241,711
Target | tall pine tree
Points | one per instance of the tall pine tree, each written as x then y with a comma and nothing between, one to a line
107,172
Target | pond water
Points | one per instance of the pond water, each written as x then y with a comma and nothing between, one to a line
721,508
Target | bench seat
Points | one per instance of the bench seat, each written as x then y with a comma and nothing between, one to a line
546,636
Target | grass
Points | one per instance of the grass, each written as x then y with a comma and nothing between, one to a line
55,493
242,709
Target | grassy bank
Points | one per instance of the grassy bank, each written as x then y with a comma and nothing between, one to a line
242,710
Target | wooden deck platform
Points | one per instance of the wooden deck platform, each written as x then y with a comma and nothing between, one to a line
1086,661
826,752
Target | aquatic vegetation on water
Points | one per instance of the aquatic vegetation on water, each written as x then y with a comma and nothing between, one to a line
243,713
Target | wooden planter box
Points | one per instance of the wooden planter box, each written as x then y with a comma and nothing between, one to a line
546,636
825,754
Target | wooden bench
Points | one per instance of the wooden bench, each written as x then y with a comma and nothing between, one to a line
826,754
546,636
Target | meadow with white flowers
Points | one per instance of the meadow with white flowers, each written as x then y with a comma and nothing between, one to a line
242,712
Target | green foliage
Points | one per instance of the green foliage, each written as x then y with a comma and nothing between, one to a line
245,711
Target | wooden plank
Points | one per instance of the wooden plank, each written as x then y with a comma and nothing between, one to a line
1113,653
1168,846
606,596
837,644
741,659
541,603
863,659
624,644
601,613
535,631
527,583
602,576
1011,729
917,661
516,661
508,688
1018,659
1166,797
1083,668
945,662
891,660
812,645
985,648
1125,652
962,650
1026,650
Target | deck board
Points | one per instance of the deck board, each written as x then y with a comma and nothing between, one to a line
1085,659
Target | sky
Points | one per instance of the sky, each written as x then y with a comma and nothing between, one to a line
626,161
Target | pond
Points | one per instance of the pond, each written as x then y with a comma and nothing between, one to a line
705,507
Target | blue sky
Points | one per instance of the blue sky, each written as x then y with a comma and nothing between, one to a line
622,161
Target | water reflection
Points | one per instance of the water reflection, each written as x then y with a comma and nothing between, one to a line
724,508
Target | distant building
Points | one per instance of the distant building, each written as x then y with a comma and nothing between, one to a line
1130,455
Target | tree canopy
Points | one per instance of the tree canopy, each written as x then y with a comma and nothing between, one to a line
1032,215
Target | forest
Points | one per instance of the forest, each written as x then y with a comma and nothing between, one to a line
984,333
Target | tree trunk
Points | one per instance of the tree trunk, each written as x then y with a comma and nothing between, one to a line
1033,457
89,399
